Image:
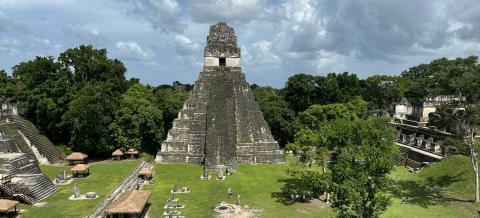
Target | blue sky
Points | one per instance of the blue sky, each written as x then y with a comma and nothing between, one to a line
161,41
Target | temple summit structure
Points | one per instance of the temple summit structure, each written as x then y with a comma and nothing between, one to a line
220,124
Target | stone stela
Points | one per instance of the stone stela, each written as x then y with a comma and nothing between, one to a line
220,124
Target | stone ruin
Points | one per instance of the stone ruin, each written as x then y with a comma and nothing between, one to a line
220,124
22,148
24,137
22,177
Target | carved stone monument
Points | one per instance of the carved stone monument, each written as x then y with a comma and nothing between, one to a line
220,124
76,191
175,187
205,175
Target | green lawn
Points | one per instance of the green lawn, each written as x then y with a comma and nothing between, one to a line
260,185
425,199
444,189
104,177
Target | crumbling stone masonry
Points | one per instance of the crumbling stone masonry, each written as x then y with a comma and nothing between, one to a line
220,124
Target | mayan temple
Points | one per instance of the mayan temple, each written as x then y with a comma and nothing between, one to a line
22,149
220,124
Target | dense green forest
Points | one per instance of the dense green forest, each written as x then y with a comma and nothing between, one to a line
82,100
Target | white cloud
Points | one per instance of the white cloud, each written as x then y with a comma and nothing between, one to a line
330,62
27,46
131,50
85,33
185,46
455,26
262,53
212,11
454,47
162,14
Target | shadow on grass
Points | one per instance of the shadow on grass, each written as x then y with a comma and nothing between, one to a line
291,186
425,193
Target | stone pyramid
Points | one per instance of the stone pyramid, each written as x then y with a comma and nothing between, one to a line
220,124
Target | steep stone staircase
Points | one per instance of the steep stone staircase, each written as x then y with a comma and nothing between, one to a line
37,186
10,192
23,179
44,146
16,163
128,183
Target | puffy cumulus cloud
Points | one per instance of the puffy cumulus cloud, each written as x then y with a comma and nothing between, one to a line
330,62
212,11
464,16
132,51
455,47
262,54
85,33
371,29
164,15
184,46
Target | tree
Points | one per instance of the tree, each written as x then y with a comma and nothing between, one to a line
90,64
7,85
442,77
382,90
138,121
300,91
88,117
458,77
309,143
469,120
170,101
363,158
277,114
44,90
349,87
315,115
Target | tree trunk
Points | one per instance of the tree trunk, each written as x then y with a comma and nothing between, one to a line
474,160
327,193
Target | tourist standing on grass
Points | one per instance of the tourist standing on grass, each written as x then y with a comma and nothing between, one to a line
229,192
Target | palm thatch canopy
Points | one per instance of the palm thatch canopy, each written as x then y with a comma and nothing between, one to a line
7,205
130,202
117,152
132,151
80,168
77,156
145,171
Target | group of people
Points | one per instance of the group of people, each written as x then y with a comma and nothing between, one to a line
230,193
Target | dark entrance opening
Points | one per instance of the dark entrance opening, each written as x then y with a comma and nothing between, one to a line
222,62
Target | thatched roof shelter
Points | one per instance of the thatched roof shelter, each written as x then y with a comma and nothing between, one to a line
145,171
130,202
7,205
117,153
76,156
132,151
80,168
